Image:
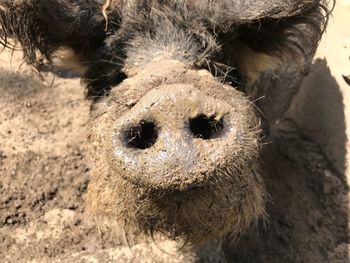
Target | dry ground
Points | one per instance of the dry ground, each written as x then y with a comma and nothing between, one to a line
44,173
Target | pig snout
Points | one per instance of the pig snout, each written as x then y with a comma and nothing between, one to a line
176,137
175,152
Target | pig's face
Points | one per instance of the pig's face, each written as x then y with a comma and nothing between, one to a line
175,151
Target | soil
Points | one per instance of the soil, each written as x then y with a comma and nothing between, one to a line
44,176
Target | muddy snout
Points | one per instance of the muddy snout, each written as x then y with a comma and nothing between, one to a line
178,137
175,152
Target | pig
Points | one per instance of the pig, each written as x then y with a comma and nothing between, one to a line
183,92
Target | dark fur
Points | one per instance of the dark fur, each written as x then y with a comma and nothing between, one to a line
202,27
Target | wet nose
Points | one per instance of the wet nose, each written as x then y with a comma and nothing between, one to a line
176,137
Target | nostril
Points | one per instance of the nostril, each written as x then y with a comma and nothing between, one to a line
206,127
142,136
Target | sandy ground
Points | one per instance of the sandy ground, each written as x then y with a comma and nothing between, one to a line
44,173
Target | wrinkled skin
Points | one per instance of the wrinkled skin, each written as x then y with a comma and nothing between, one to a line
156,172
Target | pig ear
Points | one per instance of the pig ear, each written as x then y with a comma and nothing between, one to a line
223,13
43,26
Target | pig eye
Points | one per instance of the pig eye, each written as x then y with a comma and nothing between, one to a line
142,136
205,127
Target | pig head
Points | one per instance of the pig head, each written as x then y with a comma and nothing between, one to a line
175,86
